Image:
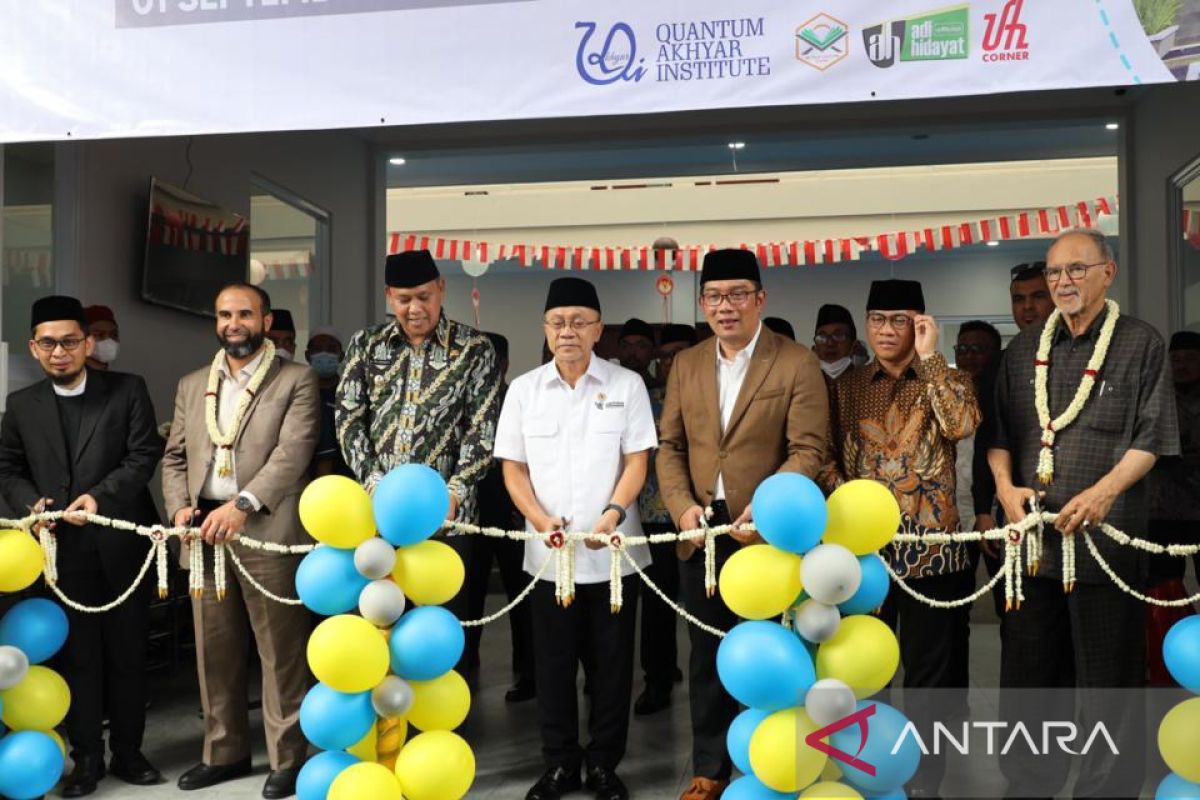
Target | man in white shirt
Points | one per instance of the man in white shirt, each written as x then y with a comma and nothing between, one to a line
575,436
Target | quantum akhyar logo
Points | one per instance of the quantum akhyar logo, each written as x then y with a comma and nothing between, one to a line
611,60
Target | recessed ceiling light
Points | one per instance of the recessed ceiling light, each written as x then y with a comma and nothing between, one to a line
1112,126
737,145
397,161
993,243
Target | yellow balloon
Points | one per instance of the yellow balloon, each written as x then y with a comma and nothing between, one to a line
365,748
39,702
430,572
832,771
348,654
760,581
21,560
440,704
364,781
392,733
58,740
863,516
778,754
437,765
1177,739
863,654
336,511
829,790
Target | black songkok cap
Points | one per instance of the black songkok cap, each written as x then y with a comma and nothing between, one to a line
411,268
281,321
499,344
1185,340
566,292
780,326
637,327
896,295
677,333
830,314
56,308
729,265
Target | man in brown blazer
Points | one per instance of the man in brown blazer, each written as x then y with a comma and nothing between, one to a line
737,410
237,466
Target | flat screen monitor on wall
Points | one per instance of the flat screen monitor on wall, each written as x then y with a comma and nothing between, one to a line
193,248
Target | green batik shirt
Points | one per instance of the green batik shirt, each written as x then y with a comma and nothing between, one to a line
433,404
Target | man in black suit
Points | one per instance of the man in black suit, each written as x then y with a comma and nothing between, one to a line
85,441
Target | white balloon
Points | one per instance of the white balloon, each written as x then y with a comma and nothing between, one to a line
13,666
393,697
475,268
258,271
830,574
816,621
381,603
829,700
374,558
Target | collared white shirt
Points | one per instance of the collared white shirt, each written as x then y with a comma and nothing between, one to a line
574,441
731,374
78,390
229,393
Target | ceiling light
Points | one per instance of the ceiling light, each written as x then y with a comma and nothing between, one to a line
993,243
1112,126
397,161
737,145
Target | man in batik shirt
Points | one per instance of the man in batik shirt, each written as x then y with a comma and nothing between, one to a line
420,389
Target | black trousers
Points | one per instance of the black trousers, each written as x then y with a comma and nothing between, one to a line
712,708
934,650
1092,638
509,556
659,649
104,663
586,631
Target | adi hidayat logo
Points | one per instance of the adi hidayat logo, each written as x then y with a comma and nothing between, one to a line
822,41
931,36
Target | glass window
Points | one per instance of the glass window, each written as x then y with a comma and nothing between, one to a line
27,259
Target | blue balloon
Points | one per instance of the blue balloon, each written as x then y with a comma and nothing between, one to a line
318,773
872,591
425,643
30,765
737,739
884,730
334,720
37,627
749,787
1181,652
327,581
765,666
789,512
1176,787
410,504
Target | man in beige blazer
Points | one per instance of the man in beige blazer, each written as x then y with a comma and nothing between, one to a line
737,410
247,480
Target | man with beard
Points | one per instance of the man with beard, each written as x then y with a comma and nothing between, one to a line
244,431
1031,302
85,441
834,340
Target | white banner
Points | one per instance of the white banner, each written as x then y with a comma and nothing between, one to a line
117,68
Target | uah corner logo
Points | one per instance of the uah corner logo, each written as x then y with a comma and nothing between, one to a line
613,59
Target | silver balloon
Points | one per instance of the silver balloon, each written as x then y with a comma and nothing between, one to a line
829,700
830,573
13,666
393,697
381,603
816,621
374,558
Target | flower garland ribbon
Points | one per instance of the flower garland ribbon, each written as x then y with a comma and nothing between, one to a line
223,441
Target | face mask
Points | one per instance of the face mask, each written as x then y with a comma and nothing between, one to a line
106,351
325,364
835,368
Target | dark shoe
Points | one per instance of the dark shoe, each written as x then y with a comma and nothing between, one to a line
89,769
281,783
133,768
606,785
521,691
651,701
202,776
554,784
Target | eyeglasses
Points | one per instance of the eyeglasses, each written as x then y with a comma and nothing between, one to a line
578,324
47,345
738,297
1077,271
899,322
826,338
971,349
1027,270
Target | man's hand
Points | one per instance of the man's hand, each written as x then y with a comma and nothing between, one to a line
606,525
1085,510
223,524
186,516
745,537
1015,501
84,504
550,525
986,522
39,507
689,521
453,512
927,333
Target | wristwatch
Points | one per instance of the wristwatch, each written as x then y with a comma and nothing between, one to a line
620,511
243,504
